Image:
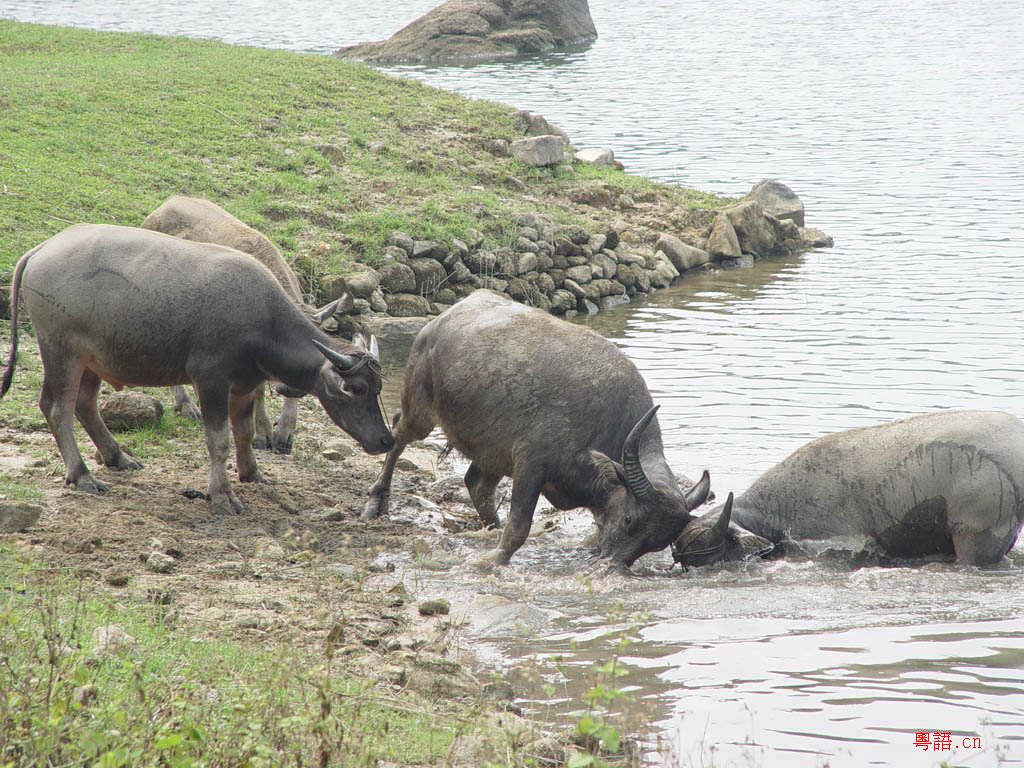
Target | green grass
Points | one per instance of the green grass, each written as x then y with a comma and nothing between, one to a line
176,701
102,127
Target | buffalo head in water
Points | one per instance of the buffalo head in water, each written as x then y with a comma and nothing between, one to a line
713,537
639,515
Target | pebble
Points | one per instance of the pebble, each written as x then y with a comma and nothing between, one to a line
434,608
158,562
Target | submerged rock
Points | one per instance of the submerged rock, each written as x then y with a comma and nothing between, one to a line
484,30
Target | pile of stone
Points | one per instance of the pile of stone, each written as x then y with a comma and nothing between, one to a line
567,269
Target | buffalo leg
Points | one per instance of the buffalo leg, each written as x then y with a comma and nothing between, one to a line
213,401
406,430
89,417
62,375
183,403
481,490
981,548
240,409
263,429
284,428
526,487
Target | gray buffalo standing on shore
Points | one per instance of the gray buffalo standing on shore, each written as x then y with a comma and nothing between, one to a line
193,218
947,484
556,407
138,308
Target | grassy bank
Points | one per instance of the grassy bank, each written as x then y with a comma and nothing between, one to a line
165,699
324,156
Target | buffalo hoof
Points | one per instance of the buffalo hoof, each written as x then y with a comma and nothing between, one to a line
261,442
281,443
88,484
125,462
490,562
225,504
189,410
255,477
376,506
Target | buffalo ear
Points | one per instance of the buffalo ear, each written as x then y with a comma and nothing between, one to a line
285,390
610,470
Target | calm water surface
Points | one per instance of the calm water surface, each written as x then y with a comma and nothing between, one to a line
901,127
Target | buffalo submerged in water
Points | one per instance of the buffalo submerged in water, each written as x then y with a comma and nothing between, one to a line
942,485
556,407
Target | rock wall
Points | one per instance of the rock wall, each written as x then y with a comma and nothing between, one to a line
563,269
484,30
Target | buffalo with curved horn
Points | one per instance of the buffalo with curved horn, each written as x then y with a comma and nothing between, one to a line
942,485
525,395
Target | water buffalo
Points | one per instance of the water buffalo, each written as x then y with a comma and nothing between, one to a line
947,484
525,395
139,308
194,218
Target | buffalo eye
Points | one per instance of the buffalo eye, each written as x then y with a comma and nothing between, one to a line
357,388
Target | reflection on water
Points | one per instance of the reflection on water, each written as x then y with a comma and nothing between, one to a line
899,126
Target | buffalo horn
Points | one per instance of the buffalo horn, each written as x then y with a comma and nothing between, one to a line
636,479
698,494
326,311
340,361
721,526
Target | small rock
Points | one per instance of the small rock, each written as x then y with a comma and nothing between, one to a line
397,278
434,608
116,577
18,515
158,562
344,570
581,274
429,273
332,152
130,410
247,621
268,549
815,238
539,150
596,156
408,305
85,695
403,241
112,639
423,249
377,302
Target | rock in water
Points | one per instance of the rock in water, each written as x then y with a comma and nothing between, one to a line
778,200
484,30
539,150
754,231
17,516
123,411
682,256
722,242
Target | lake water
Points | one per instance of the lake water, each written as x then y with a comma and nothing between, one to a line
901,126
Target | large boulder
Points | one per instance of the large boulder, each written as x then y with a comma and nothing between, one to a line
722,242
778,200
754,231
484,30
539,150
123,411
682,256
